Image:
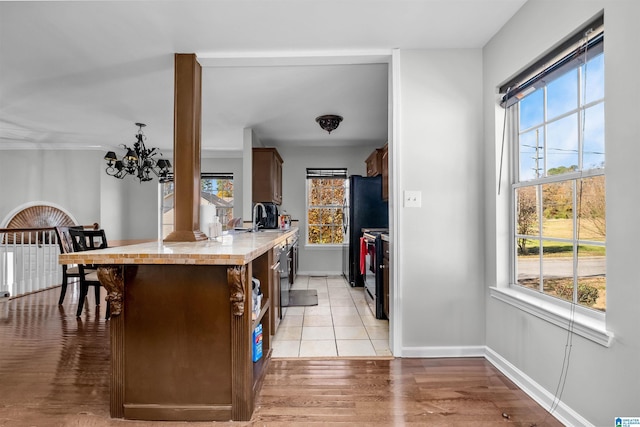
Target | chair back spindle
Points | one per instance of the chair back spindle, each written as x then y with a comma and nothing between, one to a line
88,240
65,244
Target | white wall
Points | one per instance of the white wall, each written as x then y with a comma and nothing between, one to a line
602,383
76,181
440,245
249,140
131,209
296,160
69,179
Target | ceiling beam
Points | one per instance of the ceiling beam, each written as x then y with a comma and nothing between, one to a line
288,59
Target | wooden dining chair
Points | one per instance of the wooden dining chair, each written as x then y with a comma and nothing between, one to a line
65,245
87,240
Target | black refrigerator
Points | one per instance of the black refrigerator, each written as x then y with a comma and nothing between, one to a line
365,209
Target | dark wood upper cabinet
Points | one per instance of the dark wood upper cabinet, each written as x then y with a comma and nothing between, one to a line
378,164
267,175
374,163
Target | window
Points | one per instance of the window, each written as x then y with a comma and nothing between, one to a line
558,189
326,191
216,189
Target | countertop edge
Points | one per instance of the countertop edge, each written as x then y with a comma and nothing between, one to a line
230,249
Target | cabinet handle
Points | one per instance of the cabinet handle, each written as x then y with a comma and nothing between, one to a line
381,266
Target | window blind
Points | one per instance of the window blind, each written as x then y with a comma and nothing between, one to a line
326,173
567,55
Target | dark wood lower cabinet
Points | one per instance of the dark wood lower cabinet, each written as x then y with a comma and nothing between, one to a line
183,342
276,313
385,277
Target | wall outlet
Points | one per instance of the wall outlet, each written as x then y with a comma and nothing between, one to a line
412,199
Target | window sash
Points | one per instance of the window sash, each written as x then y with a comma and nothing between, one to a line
580,111
334,229
565,56
541,237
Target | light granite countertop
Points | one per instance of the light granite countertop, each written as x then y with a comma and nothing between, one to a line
235,248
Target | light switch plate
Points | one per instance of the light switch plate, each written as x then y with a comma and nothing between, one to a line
412,199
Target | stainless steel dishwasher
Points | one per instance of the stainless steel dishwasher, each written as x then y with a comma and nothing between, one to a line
285,286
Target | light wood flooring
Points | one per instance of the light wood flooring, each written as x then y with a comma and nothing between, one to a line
54,371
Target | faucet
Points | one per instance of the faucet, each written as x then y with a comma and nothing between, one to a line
255,215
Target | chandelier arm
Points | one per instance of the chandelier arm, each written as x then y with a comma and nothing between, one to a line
111,171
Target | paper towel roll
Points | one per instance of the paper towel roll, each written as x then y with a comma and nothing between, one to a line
207,213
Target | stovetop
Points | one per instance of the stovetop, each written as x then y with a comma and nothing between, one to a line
372,233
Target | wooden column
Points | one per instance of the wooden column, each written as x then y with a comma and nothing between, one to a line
186,149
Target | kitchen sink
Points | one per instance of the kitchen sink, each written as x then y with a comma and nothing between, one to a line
261,230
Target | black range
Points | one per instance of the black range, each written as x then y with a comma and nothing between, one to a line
373,281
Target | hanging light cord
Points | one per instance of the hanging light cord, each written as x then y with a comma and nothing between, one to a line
570,327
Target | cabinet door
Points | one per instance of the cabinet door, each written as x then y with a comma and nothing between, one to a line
373,163
262,173
384,163
385,278
275,298
267,175
277,180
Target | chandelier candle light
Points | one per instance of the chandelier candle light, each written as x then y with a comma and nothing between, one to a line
138,162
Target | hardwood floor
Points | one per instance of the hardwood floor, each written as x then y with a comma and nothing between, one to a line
54,371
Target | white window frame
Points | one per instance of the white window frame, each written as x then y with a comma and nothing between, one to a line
169,178
323,246
583,321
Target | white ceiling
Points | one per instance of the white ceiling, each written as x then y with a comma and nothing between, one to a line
79,74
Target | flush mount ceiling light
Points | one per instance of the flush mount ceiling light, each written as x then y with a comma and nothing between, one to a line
138,162
329,122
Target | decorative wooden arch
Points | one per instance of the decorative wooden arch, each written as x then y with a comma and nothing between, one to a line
40,215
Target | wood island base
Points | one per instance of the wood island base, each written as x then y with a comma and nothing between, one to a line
182,324
181,342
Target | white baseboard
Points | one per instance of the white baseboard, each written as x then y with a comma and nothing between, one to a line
562,413
431,352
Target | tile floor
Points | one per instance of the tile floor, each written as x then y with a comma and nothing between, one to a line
341,325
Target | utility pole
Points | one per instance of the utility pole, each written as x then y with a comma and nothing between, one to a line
537,157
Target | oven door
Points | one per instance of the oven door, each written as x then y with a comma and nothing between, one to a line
370,273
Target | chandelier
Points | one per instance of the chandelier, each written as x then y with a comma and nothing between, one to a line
139,161
329,122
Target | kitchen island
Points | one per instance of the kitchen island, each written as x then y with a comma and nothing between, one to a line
182,323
